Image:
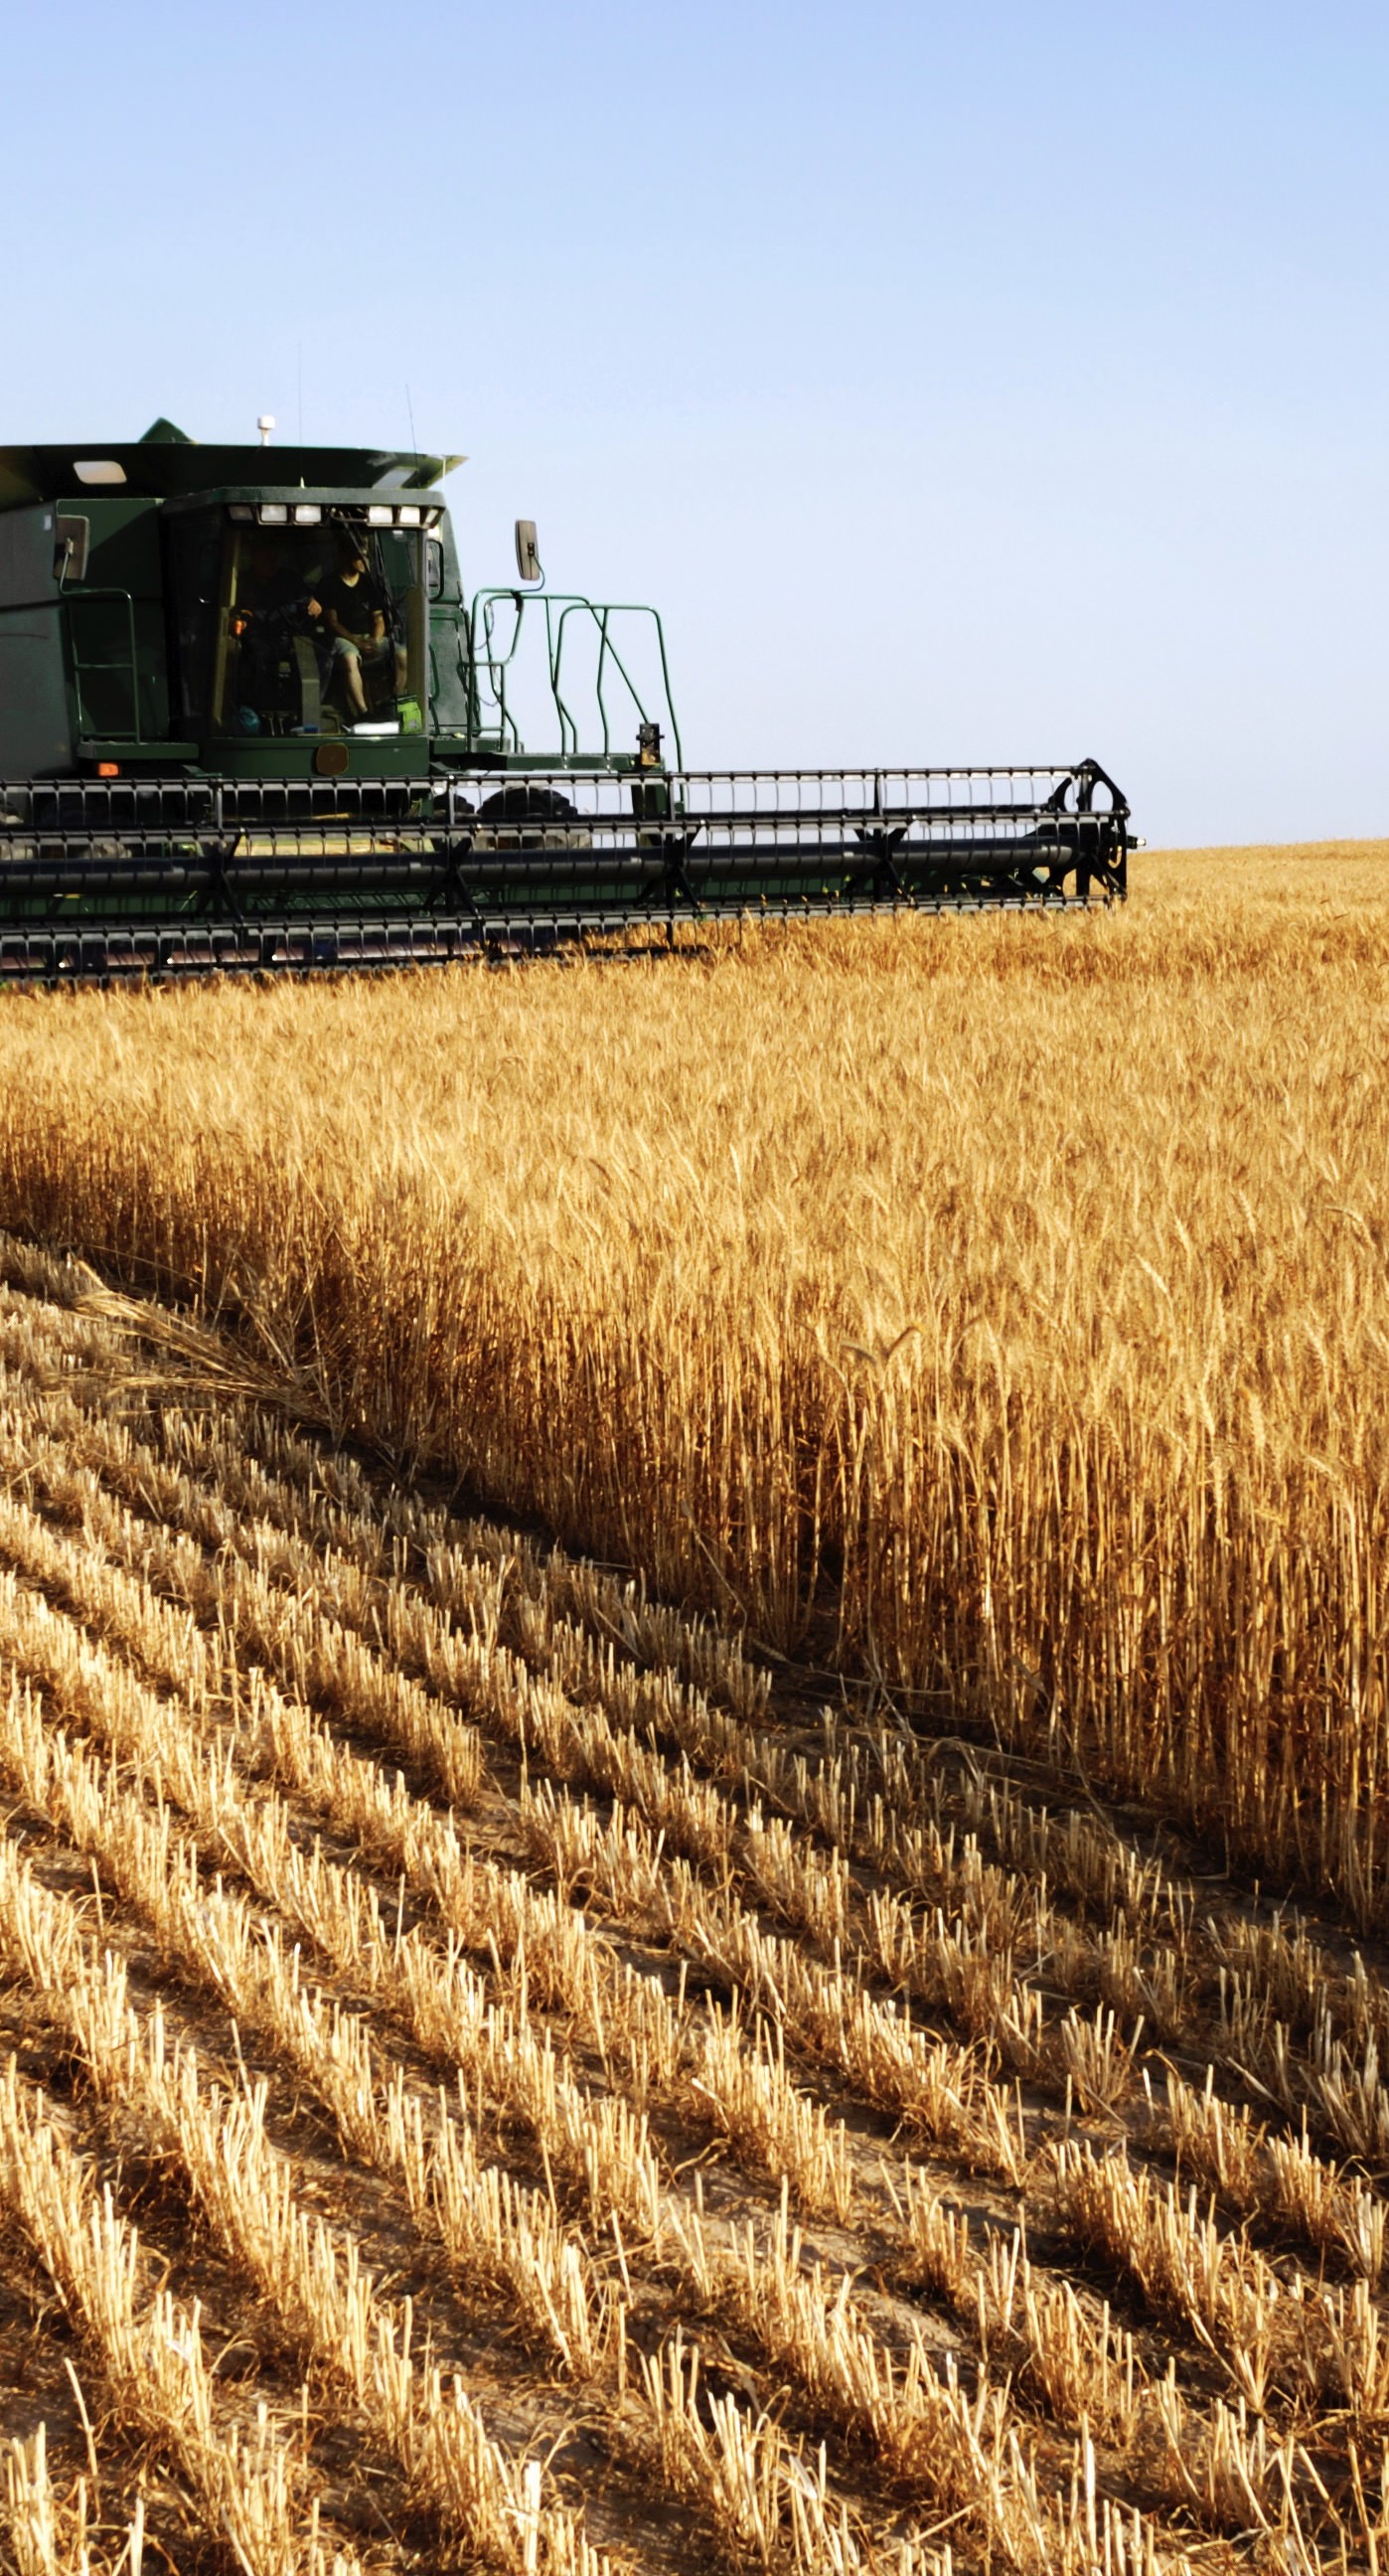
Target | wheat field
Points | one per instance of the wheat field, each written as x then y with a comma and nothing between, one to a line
691,1700
995,1306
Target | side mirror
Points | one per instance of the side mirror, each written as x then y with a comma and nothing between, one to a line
72,539
528,562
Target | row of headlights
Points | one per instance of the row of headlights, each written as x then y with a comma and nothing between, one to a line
310,514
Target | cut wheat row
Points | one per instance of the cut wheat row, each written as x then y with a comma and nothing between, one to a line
740,2470
173,1646
487,2224
745,2095
876,2047
607,1609
313,2280
1231,2298
755,2304
1251,2368
462,1579
987,1994
161,1878
1360,2232
48,2533
348,1521
574,1741
250,2489
963,1965
478,1901
492,2230
549,1641
483,2218
537,1595
979,1984
927,2434
917,2428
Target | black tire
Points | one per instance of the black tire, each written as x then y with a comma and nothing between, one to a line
520,804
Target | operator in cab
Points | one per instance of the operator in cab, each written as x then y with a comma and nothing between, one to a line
354,612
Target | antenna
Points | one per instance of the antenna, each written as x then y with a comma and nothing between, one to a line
265,424
414,442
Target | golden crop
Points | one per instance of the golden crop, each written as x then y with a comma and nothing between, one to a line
994,1304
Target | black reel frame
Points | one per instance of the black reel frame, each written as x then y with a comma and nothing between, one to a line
175,876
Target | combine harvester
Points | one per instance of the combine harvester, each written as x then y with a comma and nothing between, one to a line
209,766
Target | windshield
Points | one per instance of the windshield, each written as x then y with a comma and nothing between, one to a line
302,630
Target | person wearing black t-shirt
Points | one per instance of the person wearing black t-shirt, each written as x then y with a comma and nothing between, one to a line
354,612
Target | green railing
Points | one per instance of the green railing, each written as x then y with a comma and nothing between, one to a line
492,664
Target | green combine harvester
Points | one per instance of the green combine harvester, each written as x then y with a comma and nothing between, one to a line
251,719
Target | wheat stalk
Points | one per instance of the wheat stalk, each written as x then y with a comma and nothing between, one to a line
151,2355
48,2538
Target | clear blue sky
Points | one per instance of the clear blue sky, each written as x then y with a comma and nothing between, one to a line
965,382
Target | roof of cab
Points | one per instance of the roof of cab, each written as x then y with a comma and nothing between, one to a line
166,463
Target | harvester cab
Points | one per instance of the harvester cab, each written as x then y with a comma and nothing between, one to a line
250,717
260,653
289,616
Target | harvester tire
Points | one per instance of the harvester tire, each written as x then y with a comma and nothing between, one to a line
527,805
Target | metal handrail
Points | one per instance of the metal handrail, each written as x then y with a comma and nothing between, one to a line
568,604
601,612
498,664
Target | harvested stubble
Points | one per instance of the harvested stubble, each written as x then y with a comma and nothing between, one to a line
149,2351
736,2467
209,1930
